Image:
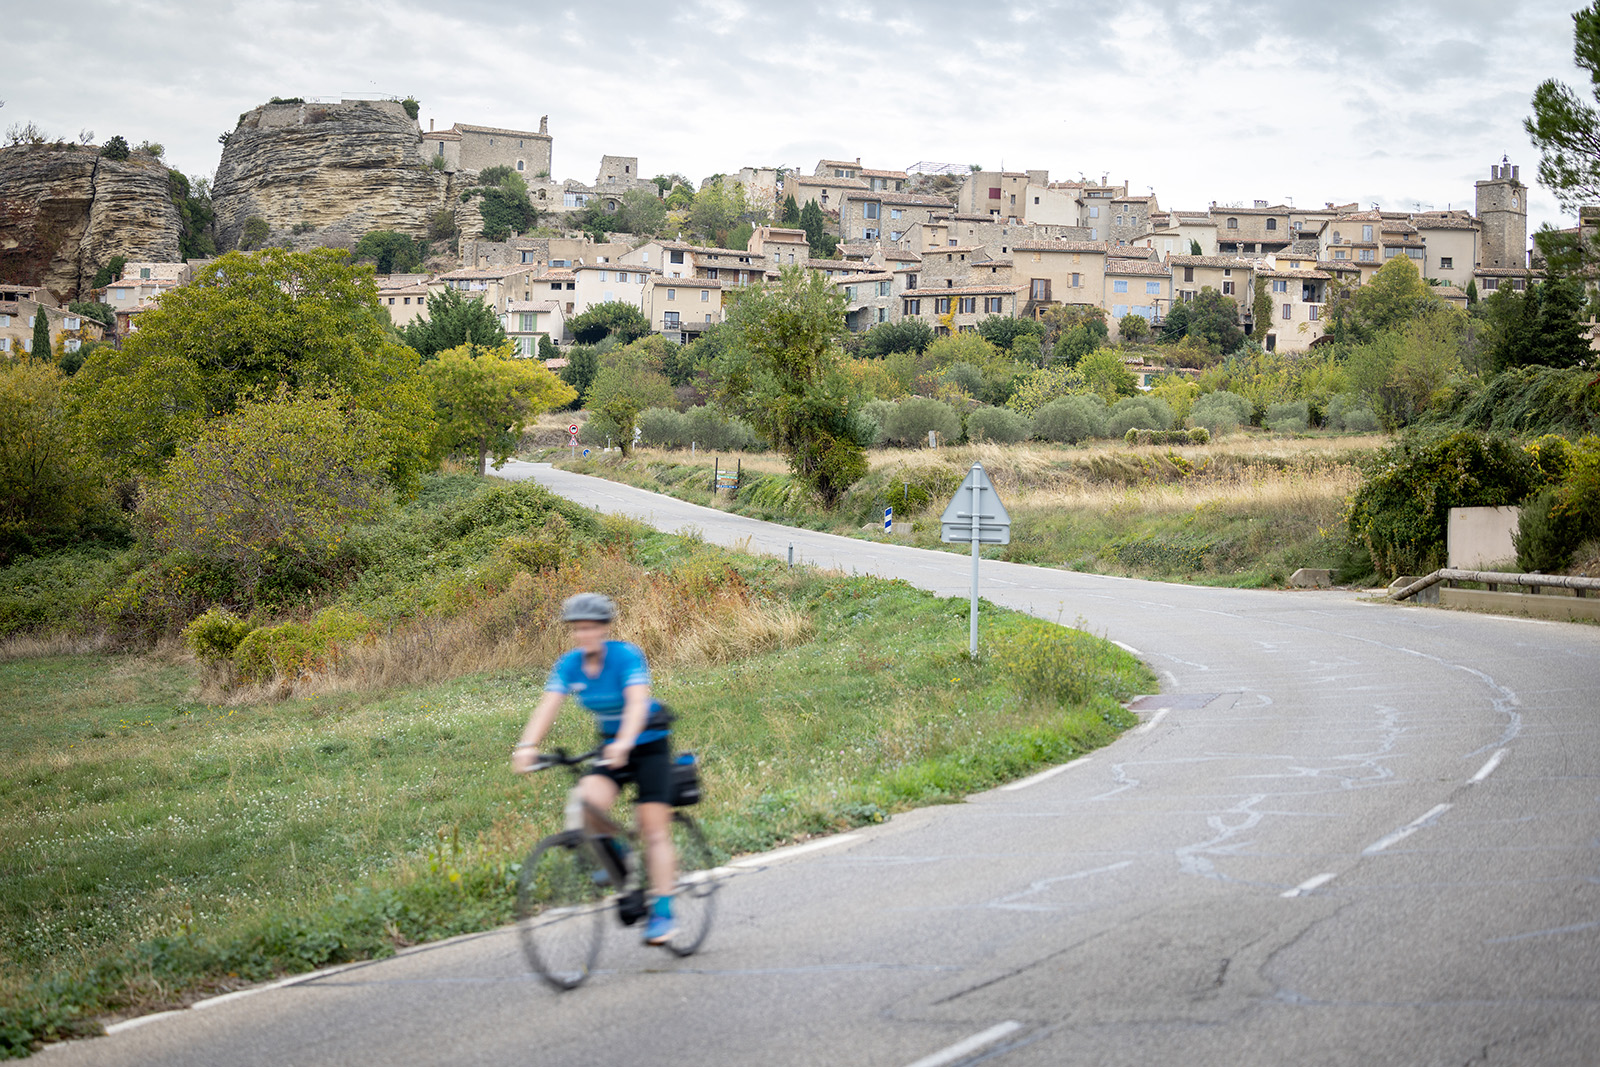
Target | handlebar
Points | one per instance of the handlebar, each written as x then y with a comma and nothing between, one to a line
559,758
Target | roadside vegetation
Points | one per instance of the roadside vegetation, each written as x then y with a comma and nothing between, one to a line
287,789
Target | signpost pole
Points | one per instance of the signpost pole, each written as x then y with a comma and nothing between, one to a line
972,635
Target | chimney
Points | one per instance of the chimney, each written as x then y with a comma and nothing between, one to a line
430,125
1514,172
1494,171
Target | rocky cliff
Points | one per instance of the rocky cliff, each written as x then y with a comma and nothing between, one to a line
326,173
65,211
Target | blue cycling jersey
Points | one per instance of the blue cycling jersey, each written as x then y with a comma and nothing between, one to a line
621,665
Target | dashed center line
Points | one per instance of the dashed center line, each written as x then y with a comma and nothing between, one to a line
1405,831
961,1049
1035,779
1488,768
1308,885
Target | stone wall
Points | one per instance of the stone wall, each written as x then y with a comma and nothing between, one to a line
66,210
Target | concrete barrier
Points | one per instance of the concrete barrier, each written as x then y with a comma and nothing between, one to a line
1479,538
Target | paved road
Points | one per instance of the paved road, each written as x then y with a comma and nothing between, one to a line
1360,834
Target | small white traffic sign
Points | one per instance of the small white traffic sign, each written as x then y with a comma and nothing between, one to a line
573,429
976,516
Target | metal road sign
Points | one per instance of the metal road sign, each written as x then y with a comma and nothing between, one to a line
976,516
573,429
888,518
976,496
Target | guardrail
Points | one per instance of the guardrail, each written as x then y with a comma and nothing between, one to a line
1579,586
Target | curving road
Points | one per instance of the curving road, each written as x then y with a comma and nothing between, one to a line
1346,833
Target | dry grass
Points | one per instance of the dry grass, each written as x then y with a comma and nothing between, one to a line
29,646
1264,490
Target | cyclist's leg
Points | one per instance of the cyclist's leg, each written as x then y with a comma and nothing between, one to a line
599,791
655,827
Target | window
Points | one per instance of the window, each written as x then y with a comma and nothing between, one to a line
1233,224
1094,234
744,277
871,210
895,235
1188,274
895,213
941,305
5,344
994,192
1516,283
1227,288
883,288
712,272
991,304
602,275
911,281
1119,310
1272,342
883,314
677,257
967,305
669,319
913,307
519,165
1288,311
1119,286
1077,281
527,321
144,272
1314,312
622,275
1280,285
1447,262
560,263
406,299
869,234
527,257
1094,212
1366,254
71,323
1040,289
554,285
1152,288
672,294
1339,253
708,316
967,327
1366,234
705,296
1272,224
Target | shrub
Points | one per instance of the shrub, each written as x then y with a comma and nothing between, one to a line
293,649
913,418
116,148
1401,511
1221,411
255,232
999,425
215,635
876,413
1197,436
1055,664
1349,412
1071,419
1141,412
1290,416
663,428
709,428
1565,514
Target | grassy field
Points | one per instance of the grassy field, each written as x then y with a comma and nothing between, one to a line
162,838
1247,510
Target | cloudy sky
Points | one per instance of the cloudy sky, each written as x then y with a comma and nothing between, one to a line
1399,104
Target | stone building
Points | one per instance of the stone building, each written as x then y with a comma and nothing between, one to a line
1059,272
1002,193
1298,297
1228,275
888,217
524,151
527,322
778,247
678,259
19,307
540,251
870,298
1502,209
959,308
827,191
682,308
1135,287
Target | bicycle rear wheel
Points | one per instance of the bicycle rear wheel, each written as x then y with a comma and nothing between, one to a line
695,899
564,896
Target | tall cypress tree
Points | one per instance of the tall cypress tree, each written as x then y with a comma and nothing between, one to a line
791,211
41,336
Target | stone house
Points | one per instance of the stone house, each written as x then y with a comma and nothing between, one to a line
129,293
1053,203
999,193
404,297
1298,297
1451,245
1129,218
558,285
540,252
761,187
1501,205
778,247
959,308
827,191
1135,287
20,305
1228,275
524,151
603,283
998,235
1059,272
682,308
526,321
1490,279
887,217
678,259
1257,229
870,298
492,285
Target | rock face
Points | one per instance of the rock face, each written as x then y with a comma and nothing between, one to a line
65,211
326,173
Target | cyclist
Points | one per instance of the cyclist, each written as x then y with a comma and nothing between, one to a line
611,679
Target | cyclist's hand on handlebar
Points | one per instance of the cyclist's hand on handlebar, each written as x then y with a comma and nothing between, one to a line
616,754
528,759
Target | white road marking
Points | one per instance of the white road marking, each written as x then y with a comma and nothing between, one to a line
1150,723
129,1024
1488,768
794,850
1127,648
1405,831
1035,779
972,1044
1308,885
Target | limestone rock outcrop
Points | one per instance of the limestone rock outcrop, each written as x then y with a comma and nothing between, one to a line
326,173
65,211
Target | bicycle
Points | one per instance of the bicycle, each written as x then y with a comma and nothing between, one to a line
571,880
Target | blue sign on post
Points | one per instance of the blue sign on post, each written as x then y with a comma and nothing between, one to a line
888,519
586,453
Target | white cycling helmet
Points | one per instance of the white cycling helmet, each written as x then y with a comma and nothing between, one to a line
588,607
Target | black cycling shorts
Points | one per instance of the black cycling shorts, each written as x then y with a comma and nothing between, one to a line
650,767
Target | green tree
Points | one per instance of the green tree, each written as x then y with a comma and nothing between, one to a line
485,396
390,252
1175,327
1002,331
615,318
1540,326
1261,311
628,381
276,484
1106,376
1194,248
40,347
246,325
1133,327
192,198
907,335
504,205
1565,127
48,481
93,309
791,212
785,375
453,320
412,105
116,148
1472,292
109,272
254,233
1214,319
583,363
815,223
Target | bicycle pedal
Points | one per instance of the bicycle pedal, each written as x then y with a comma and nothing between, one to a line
631,907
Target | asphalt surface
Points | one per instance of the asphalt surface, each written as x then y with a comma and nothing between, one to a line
1345,833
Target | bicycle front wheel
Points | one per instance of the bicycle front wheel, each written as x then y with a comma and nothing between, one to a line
563,898
695,900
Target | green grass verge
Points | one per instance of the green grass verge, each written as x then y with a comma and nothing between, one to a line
153,849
